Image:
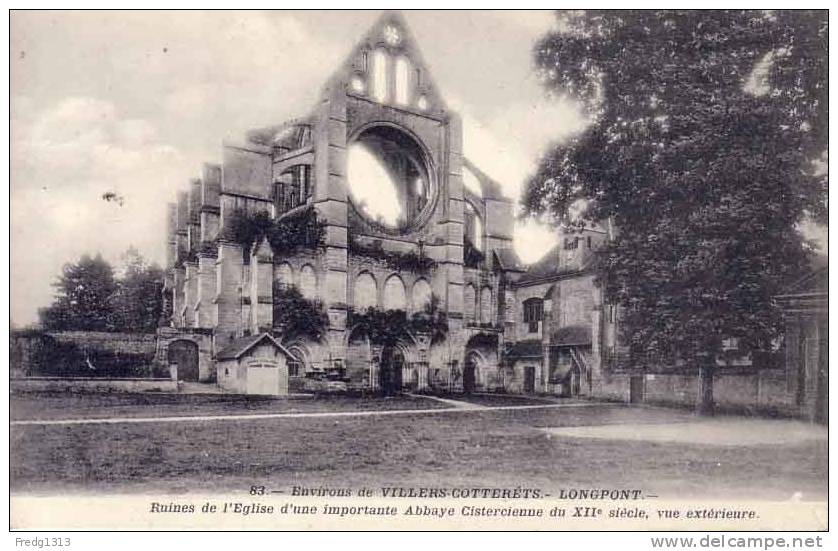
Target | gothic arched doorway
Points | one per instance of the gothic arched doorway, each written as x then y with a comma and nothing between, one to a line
184,354
390,370
471,373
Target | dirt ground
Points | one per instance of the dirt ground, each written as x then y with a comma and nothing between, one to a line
484,447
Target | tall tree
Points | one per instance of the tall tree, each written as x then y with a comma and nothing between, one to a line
82,301
705,128
90,298
138,300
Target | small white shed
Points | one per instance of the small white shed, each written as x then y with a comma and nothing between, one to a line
254,365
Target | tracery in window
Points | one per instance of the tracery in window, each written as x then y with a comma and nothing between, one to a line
392,35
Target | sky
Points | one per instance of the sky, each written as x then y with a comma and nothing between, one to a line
134,102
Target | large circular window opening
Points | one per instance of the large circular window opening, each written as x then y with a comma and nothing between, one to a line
389,181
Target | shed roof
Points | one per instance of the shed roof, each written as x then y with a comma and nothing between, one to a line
241,346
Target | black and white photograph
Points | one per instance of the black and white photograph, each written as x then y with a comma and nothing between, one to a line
425,270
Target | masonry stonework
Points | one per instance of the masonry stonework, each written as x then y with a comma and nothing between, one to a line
545,328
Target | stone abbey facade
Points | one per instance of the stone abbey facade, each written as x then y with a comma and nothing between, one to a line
431,240
367,220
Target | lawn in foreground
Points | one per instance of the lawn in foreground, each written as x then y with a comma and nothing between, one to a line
89,405
473,448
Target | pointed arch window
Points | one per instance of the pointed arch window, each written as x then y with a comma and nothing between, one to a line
284,275
402,80
380,60
421,295
366,292
395,297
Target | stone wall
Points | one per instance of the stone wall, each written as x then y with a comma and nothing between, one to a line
72,353
124,343
764,391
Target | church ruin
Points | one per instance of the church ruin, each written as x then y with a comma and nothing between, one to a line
370,216
343,250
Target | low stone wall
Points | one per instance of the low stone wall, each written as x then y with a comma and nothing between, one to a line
612,387
81,354
764,391
121,343
92,384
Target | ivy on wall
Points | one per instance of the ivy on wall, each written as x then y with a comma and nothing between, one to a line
295,315
387,327
403,262
287,235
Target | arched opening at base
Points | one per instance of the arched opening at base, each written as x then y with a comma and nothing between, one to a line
299,363
184,355
390,370
471,372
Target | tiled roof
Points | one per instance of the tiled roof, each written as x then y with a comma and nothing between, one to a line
549,266
508,260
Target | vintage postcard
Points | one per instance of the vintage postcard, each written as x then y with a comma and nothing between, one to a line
419,270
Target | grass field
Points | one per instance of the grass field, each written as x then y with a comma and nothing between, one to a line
472,447
65,405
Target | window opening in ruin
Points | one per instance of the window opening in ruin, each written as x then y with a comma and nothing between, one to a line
473,226
293,188
357,84
533,313
389,182
402,81
379,75
392,35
